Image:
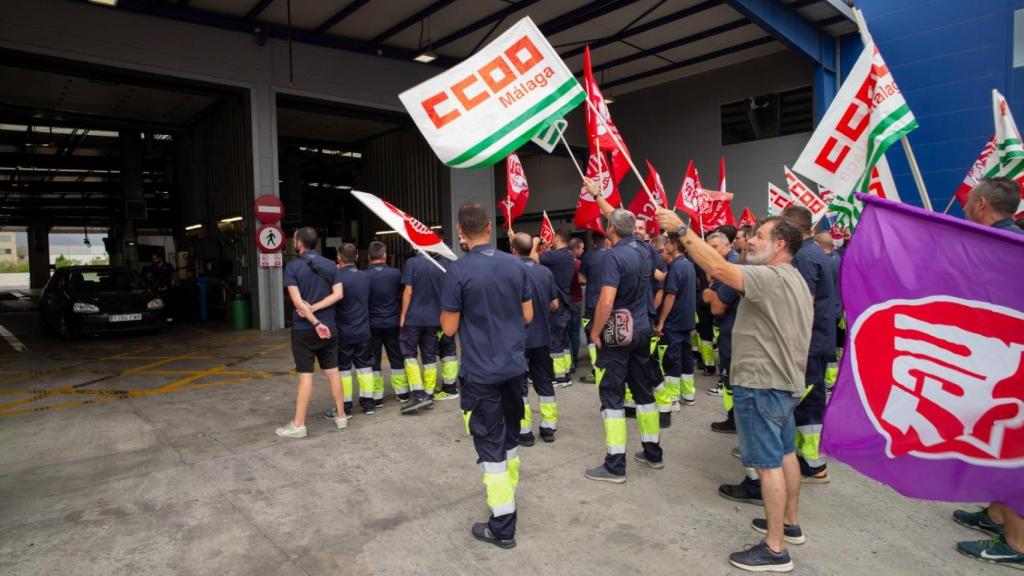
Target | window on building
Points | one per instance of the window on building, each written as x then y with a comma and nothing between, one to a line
768,116
5,237
7,251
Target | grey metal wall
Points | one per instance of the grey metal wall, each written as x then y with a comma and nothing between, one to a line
402,169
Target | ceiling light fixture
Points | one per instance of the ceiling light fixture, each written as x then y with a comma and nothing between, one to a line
231,219
425,56
194,227
110,3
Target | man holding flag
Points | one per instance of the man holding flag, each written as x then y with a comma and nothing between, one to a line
562,265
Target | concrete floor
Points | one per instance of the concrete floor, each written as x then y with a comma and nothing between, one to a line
157,455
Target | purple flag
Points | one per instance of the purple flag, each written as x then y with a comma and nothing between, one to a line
930,396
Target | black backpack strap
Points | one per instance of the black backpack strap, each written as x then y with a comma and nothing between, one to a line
323,276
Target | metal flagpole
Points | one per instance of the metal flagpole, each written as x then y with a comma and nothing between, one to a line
911,159
950,205
571,155
429,257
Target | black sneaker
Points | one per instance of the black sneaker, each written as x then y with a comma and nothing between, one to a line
333,413
526,439
378,402
642,458
710,370
761,558
547,436
417,404
369,411
727,426
748,491
665,420
483,533
791,533
403,398
601,474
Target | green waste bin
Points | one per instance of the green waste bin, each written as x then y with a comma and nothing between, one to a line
241,312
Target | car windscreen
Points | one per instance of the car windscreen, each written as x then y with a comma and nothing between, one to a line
113,280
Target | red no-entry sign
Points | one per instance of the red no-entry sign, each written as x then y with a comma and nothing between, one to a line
269,209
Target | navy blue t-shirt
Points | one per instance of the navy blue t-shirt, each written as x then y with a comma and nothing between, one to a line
352,312
385,296
628,268
816,269
562,265
681,280
311,286
426,281
542,292
488,288
731,298
836,260
590,266
654,257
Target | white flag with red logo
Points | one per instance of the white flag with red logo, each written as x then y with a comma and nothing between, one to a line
644,205
882,183
1003,156
415,232
547,231
602,134
976,172
778,200
805,197
517,190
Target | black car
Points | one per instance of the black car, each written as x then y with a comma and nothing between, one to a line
99,299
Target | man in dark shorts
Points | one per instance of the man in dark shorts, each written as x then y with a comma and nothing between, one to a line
314,285
769,339
487,300
385,311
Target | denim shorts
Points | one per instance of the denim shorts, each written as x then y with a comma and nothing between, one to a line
765,424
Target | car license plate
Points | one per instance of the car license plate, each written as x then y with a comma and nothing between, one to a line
124,317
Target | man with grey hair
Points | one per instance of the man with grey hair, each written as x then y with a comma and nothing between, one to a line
993,202
624,350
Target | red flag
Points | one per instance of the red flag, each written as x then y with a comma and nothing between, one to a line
747,218
721,174
716,210
644,205
689,198
547,231
588,213
517,190
602,134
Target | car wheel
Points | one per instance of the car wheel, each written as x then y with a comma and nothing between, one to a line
64,330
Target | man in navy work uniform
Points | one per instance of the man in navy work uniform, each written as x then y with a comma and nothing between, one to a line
562,265
487,300
723,300
420,320
678,310
538,336
353,319
817,270
625,284
314,286
590,268
385,311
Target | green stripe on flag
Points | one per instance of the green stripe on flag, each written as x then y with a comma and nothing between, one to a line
877,148
523,118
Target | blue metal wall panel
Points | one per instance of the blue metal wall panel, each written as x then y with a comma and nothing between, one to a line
947,56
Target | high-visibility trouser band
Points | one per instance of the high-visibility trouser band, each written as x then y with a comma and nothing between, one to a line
752,474
429,377
686,386
378,384
694,341
548,412
628,399
501,490
707,352
449,369
526,424
714,335
415,376
465,420
398,381
831,373
561,363
346,386
807,391
727,399
654,344
672,387
662,399
648,422
365,378
808,444
512,456
615,430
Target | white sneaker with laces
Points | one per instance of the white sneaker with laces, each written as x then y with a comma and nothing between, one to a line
290,430
675,406
341,422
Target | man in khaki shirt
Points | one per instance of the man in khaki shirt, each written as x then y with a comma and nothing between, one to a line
770,341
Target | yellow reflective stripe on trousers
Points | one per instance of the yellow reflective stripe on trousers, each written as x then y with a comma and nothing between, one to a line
501,491
727,399
526,424
449,369
399,382
615,430
672,387
346,386
662,398
512,457
808,444
412,370
548,412
648,422
430,377
686,386
365,378
465,420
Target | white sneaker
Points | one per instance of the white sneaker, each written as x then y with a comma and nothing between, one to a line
689,401
716,391
290,430
341,422
564,384
675,406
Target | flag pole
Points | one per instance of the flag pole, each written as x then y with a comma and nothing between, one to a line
571,155
428,257
619,145
911,159
950,205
